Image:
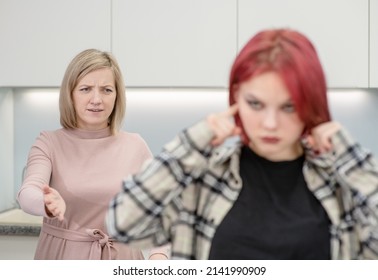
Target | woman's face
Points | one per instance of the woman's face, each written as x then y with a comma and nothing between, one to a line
269,117
94,98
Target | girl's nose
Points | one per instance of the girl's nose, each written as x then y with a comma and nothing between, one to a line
270,120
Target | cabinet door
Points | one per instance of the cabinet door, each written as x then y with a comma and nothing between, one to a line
338,29
174,42
374,43
40,37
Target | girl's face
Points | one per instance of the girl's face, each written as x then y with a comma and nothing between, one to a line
94,98
269,117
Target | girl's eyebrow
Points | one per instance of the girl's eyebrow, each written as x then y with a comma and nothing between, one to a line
251,95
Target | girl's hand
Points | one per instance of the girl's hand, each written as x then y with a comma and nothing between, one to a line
320,137
54,203
222,125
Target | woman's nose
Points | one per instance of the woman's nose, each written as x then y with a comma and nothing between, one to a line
96,97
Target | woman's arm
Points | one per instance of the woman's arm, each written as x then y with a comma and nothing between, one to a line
38,173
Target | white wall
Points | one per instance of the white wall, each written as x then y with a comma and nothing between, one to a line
357,111
6,149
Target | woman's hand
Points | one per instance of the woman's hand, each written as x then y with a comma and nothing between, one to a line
54,203
320,137
222,125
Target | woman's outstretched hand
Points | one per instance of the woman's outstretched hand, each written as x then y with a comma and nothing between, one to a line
223,125
54,203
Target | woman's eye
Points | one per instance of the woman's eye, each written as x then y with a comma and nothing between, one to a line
289,108
108,90
84,89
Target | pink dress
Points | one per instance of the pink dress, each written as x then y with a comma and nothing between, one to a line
87,168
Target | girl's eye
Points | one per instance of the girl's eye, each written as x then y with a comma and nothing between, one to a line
254,104
288,108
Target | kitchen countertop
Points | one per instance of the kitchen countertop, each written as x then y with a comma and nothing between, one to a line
17,222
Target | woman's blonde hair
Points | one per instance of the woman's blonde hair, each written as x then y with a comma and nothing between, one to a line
85,62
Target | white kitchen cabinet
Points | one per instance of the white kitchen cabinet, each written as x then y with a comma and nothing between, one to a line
374,43
338,29
174,43
179,43
40,37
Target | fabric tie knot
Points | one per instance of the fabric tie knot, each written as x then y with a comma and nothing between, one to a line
104,245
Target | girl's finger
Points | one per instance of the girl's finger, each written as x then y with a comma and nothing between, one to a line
232,110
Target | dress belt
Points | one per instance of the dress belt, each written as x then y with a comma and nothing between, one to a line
102,246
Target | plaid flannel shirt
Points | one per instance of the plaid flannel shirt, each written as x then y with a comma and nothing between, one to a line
182,195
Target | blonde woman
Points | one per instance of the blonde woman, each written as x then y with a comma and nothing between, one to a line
73,172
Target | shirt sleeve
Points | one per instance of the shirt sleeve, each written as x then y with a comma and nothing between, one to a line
356,172
38,173
136,213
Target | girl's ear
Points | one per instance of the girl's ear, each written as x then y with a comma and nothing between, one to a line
235,91
305,132
236,96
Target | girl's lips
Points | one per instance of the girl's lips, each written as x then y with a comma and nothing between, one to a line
270,140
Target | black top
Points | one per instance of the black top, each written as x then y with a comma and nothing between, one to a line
275,216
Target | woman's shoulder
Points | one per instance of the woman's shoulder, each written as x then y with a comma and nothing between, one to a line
132,139
47,140
46,135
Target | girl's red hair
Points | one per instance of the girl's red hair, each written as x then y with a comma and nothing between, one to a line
293,57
